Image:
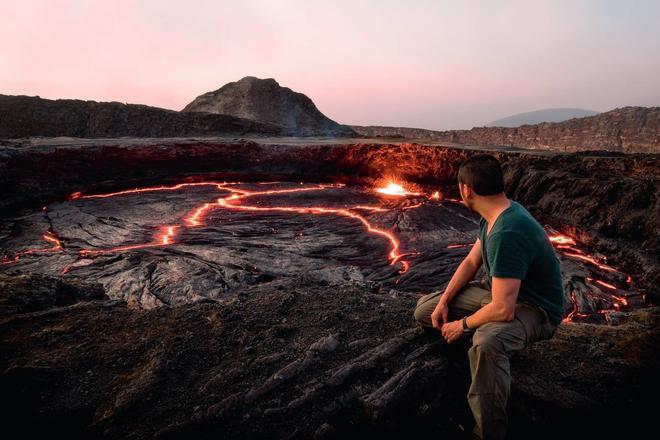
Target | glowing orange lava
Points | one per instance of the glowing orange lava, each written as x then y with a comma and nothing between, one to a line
395,189
564,242
575,313
561,239
48,236
592,260
234,201
79,195
163,239
452,246
416,205
567,247
603,283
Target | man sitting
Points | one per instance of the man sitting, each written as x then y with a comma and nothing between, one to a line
522,301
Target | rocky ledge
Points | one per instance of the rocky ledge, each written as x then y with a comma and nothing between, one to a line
295,362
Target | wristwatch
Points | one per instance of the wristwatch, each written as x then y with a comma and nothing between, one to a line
465,326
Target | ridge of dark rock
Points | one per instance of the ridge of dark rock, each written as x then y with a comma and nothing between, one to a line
27,116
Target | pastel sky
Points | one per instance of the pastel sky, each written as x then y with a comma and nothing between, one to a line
430,64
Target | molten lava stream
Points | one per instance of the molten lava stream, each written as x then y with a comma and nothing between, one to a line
48,236
168,233
234,201
166,237
567,247
79,194
565,243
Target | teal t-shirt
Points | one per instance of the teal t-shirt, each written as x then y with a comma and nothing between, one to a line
517,246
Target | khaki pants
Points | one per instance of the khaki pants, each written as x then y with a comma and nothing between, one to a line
493,344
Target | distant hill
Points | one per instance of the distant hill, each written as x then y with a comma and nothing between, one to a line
264,100
627,129
539,116
28,116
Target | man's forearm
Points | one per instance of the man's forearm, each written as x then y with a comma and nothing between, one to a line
489,313
464,273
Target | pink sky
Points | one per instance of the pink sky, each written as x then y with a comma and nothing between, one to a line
431,64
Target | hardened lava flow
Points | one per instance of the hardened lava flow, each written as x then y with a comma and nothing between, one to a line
394,212
234,201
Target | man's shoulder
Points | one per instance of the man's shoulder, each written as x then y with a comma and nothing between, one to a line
507,234
522,233
519,219
513,239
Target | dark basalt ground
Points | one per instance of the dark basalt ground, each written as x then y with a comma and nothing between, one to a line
274,323
295,362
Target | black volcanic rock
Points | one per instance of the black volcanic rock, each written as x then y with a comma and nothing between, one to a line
301,362
627,130
264,100
28,116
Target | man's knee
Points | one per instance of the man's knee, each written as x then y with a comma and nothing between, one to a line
425,306
423,316
486,340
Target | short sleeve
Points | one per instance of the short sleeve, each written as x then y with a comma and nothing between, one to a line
482,222
509,255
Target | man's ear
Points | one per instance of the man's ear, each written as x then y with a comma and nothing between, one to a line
465,190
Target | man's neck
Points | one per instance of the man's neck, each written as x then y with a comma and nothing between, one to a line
491,207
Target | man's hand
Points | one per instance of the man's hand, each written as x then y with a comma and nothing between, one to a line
451,331
440,312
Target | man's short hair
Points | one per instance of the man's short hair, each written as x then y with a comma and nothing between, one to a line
483,173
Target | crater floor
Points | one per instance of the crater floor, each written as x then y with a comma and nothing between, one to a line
208,240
